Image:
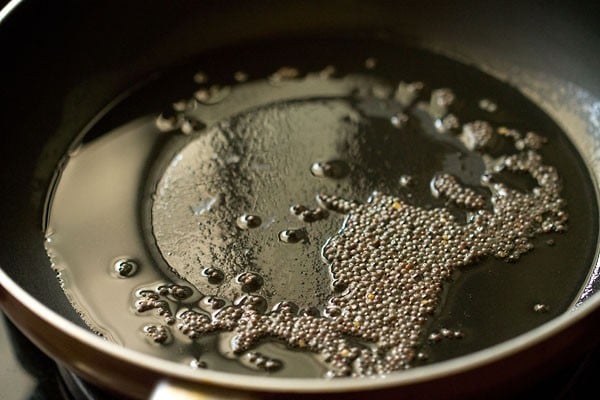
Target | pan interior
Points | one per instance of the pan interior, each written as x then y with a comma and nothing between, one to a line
176,204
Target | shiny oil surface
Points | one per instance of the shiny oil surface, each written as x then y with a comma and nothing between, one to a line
101,210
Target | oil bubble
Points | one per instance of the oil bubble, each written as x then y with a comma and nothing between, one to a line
370,63
191,125
309,215
253,302
335,169
125,267
184,105
332,312
249,221
240,76
339,286
286,306
313,215
284,74
541,308
292,235
263,362
406,180
212,302
167,121
214,275
298,209
177,292
477,135
310,312
200,77
446,124
213,95
487,105
198,364
441,100
249,281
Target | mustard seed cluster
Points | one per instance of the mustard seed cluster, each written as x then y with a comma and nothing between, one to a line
391,260
448,186
388,262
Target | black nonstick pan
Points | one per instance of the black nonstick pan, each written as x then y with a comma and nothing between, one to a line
72,72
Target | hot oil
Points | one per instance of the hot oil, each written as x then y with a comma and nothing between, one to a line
197,197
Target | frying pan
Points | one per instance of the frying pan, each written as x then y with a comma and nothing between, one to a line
63,62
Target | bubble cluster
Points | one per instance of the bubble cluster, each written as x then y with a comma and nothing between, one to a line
174,291
448,123
531,141
249,281
151,300
477,135
336,204
176,118
444,333
184,105
406,180
541,308
292,235
488,105
157,333
441,100
306,214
